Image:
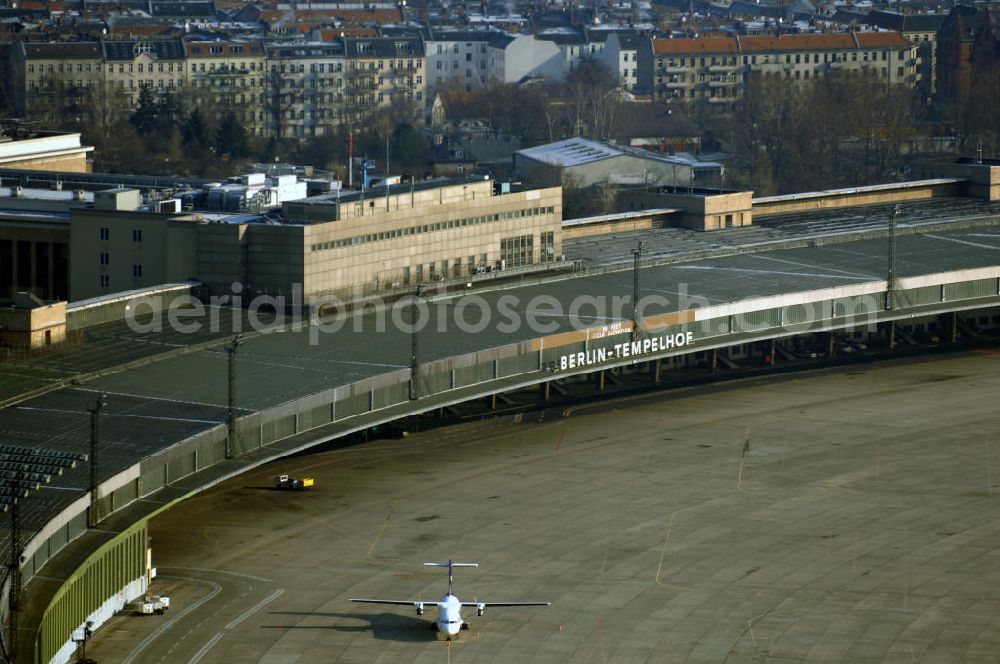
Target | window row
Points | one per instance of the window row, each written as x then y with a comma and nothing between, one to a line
105,235
429,228
787,58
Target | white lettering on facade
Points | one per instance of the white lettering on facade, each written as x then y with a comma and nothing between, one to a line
625,350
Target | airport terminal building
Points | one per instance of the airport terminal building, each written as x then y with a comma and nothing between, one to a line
335,244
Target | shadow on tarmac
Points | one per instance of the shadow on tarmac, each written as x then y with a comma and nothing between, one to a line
383,626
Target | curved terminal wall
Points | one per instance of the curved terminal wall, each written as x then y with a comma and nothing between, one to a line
117,573
446,381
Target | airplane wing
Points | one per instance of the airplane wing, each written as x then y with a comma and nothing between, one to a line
399,602
485,604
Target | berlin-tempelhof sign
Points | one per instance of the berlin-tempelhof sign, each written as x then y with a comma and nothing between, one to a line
625,350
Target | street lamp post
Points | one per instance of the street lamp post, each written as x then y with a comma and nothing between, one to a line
636,258
891,267
14,573
95,490
891,274
231,432
414,361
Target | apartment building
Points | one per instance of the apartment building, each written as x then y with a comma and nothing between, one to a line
385,72
131,65
921,29
629,58
716,68
230,74
457,56
305,89
45,77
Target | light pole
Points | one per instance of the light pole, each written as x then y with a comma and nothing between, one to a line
891,267
231,433
414,362
636,258
14,572
95,489
80,636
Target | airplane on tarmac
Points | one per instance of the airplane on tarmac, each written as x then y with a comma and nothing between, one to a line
449,620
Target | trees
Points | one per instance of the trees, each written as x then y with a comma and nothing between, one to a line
590,100
409,149
196,135
145,117
843,129
231,137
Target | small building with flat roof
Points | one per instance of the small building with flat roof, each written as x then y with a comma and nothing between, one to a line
585,163
32,323
46,151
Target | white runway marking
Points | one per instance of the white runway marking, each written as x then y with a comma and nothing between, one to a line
140,417
789,274
205,648
966,242
216,589
256,607
221,571
333,361
819,267
688,294
186,402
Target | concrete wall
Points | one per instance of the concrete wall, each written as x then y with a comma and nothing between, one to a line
528,56
873,195
33,328
56,152
164,251
67,163
983,180
704,211
221,255
620,222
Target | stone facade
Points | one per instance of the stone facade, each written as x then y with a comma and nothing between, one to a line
717,68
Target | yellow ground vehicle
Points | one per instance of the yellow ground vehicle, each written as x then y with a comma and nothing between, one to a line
285,481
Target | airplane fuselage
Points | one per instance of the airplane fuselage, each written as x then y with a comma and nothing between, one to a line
449,620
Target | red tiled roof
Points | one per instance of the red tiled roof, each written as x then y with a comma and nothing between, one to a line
51,6
696,45
770,43
201,49
831,42
877,39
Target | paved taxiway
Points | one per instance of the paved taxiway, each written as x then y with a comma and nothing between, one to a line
860,526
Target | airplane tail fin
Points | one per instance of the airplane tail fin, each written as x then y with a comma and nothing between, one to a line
451,565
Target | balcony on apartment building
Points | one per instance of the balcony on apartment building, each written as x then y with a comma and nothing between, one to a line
722,68
721,82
